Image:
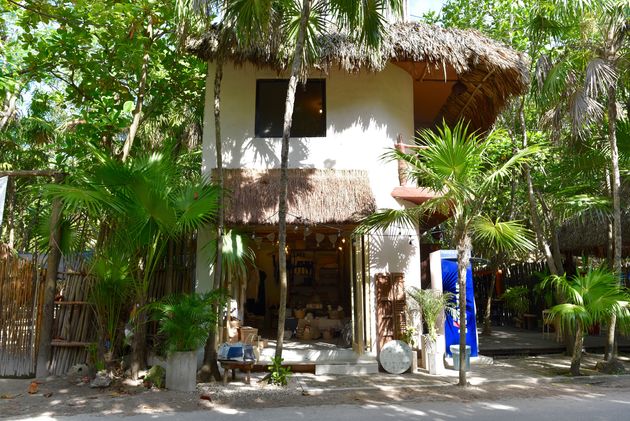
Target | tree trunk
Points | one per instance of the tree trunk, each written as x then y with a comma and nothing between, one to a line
610,230
463,258
284,162
543,246
616,185
487,320
9,110
139,342
137,112
10,212
555,244
210,364
576,359
50,289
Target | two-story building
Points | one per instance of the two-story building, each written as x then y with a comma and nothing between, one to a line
355,106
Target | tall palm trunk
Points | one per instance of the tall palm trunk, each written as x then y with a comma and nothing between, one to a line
210,365
543,246
616,185
284,162
576,359
464,248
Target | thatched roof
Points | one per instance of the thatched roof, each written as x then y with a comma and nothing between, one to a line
316,195
490,71
590,236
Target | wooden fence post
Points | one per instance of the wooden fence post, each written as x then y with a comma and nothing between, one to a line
50,287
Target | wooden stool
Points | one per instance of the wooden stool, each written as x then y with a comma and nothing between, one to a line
244,366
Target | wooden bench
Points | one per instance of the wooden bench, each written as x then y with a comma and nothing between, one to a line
244,366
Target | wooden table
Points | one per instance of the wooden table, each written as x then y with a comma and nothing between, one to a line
244,366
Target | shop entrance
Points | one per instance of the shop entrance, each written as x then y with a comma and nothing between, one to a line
318,280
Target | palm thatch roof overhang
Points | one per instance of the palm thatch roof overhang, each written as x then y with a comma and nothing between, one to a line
590,236
315,196
589,233
488,72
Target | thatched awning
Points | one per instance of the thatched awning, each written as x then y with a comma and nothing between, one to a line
489,71
322,196
590,236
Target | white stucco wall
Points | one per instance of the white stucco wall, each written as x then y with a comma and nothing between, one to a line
364,113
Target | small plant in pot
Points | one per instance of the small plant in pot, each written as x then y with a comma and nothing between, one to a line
432,303
185,322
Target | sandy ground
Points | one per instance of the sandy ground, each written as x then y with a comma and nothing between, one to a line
511,378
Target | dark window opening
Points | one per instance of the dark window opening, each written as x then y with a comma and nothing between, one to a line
309,113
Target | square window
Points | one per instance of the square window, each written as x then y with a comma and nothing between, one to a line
309,112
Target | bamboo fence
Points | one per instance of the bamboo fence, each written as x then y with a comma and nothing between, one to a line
20,281
74,327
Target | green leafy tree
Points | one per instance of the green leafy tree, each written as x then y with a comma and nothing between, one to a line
454,163
579,80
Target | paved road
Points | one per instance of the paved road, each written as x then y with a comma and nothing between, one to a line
614,405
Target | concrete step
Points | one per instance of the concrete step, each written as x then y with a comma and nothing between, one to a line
479,360
349,368
314,356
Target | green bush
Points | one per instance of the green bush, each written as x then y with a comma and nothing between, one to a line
187,319
279,374
517,299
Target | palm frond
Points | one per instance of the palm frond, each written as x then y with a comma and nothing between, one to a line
502,236
505,170
236,254
599,76
592,297
196,204
583,110
251,19
383,219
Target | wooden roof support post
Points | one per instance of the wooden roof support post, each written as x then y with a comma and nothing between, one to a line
358,269
50,287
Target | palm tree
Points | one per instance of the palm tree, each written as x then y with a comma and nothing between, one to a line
591,299
145,202
196,16
454,162
236,259
298,27
581,84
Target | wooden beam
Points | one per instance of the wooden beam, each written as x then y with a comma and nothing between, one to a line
473,94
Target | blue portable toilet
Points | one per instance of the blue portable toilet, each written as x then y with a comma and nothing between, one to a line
451,324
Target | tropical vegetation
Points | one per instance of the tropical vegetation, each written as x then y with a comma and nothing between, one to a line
141,204
186,320
456,163
431,304
103,92
591,299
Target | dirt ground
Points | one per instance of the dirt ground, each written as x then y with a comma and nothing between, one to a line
526,377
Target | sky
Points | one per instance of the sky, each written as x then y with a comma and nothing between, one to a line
418,7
